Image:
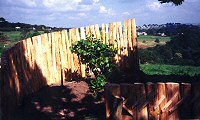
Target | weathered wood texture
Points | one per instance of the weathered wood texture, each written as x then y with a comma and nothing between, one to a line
153,101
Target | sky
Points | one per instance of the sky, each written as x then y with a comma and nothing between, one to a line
81,13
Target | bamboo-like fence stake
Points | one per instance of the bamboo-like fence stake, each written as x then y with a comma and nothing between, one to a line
103,35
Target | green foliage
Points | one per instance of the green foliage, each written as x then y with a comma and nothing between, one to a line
157,40
156,69
183,49
98,57
175,2
98,84
25,33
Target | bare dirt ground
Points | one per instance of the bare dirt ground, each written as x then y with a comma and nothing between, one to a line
149,44
72,101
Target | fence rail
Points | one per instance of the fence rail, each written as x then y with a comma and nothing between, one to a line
46,59
152,101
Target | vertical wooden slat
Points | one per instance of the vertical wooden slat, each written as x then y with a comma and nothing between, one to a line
62,57
31,62
125,56
54,57
134,35
50,58
121,46
128,92
88,31
129,36
71,54
75,57
77,34
42,66
118,43
185,107
83,67
35,64
125,32
28,63
44,46
171,90
107,35
64,50
73,41
161,92
92,31
111,40
141,98
134,52
152,96
103,35
97,31
58,70
195,100
118,24
83,36
111,91
79,62
114,39
114,34
24,59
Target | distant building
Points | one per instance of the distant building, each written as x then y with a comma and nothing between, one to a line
161,34
141,33
17,28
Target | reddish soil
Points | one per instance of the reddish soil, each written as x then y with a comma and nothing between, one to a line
71,101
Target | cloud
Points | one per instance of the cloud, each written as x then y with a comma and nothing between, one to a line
191,1
61,5
30,3
126,13
81,14
104,10
95,1
154,6
21,3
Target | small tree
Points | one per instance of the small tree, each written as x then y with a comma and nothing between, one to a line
98,57
157,40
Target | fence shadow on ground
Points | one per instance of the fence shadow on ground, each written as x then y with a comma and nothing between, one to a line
58,102
19,78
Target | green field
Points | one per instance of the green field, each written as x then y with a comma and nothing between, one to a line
13,35
156,69
153,38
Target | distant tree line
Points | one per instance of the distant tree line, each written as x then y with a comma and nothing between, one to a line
183,49
169,29
176,2
7,26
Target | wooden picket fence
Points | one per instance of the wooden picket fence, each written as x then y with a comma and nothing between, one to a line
152,101
46,59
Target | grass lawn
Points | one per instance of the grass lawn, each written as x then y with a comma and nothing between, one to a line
13,35
156,69
153,38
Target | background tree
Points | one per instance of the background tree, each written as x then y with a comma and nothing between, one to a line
176,2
